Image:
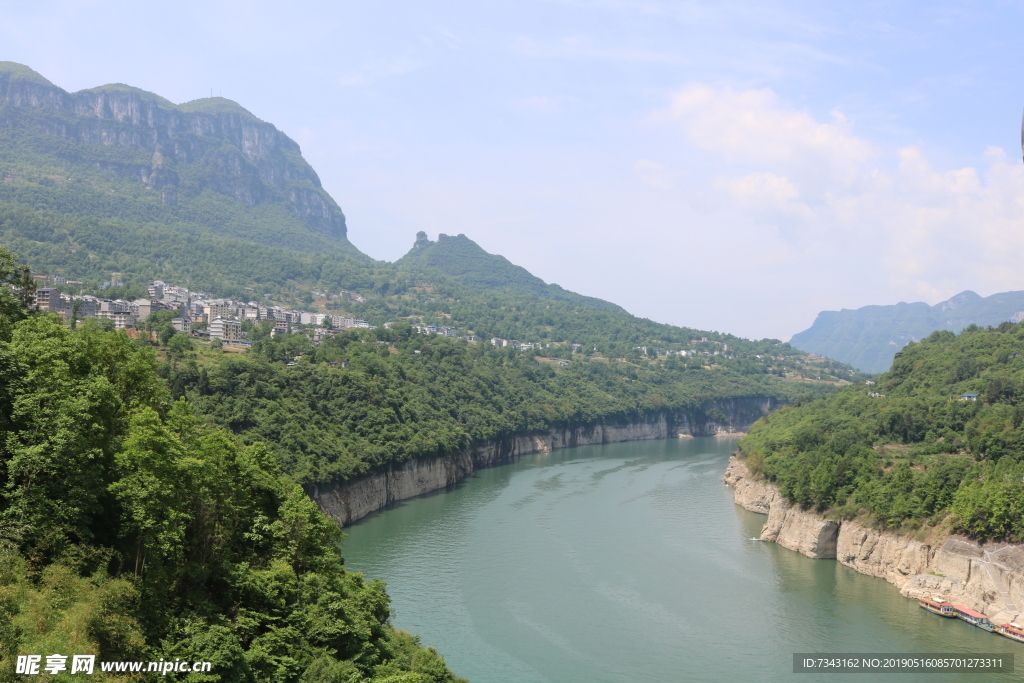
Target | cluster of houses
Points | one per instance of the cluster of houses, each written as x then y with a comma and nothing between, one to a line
521,346
223,317
436,329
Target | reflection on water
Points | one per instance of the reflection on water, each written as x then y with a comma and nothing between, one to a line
628,562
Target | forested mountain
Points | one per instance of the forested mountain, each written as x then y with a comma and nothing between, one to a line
939,439
401,396
462,260
868,338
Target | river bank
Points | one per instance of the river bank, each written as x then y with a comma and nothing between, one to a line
985,577
347,502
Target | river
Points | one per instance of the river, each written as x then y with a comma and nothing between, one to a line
626,563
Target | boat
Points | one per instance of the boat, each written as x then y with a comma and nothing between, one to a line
1013,631
972,617
937,606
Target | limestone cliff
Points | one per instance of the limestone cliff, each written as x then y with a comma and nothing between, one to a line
349,501
207,144
988,578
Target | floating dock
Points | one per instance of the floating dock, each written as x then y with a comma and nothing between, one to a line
972,617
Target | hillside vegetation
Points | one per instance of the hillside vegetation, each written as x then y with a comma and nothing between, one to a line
400,395
131,530
461,259
152,504
920,452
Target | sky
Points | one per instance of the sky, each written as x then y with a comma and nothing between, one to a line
732,166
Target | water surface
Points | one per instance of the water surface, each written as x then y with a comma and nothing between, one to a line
627,563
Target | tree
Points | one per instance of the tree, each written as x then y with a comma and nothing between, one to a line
17,291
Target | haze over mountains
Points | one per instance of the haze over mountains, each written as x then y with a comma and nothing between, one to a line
869,338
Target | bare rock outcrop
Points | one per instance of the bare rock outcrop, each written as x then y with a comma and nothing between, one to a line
753,495
346,502
985,577
804,532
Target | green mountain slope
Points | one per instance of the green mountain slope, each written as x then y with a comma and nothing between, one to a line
462,260
939,440
869,338
116,173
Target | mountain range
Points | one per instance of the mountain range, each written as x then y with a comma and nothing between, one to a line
115,184
870,337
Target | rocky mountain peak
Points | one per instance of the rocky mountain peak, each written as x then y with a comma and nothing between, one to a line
207,144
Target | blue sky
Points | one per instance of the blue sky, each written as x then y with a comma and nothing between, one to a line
721,165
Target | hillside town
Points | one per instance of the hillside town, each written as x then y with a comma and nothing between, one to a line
202,315
199,314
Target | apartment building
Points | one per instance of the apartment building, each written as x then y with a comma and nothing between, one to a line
226,330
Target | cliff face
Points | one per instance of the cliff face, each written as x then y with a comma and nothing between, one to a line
988,578
349,501
208,144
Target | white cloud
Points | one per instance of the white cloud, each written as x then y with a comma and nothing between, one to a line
885,217
754,127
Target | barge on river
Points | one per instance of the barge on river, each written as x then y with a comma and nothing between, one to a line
943,609
946,609
971,617
1013,631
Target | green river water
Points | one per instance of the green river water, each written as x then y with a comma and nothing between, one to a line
625,563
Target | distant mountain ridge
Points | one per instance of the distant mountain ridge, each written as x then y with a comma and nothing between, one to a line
870,337
464,261
210,144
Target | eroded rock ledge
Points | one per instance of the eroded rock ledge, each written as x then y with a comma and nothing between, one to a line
985,577
349,501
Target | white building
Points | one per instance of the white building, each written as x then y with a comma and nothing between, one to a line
226,330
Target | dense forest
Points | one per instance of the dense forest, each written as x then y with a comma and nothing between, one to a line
133,530
369,398
938,439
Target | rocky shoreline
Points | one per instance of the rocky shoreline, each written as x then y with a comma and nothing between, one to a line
985,577
346,502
